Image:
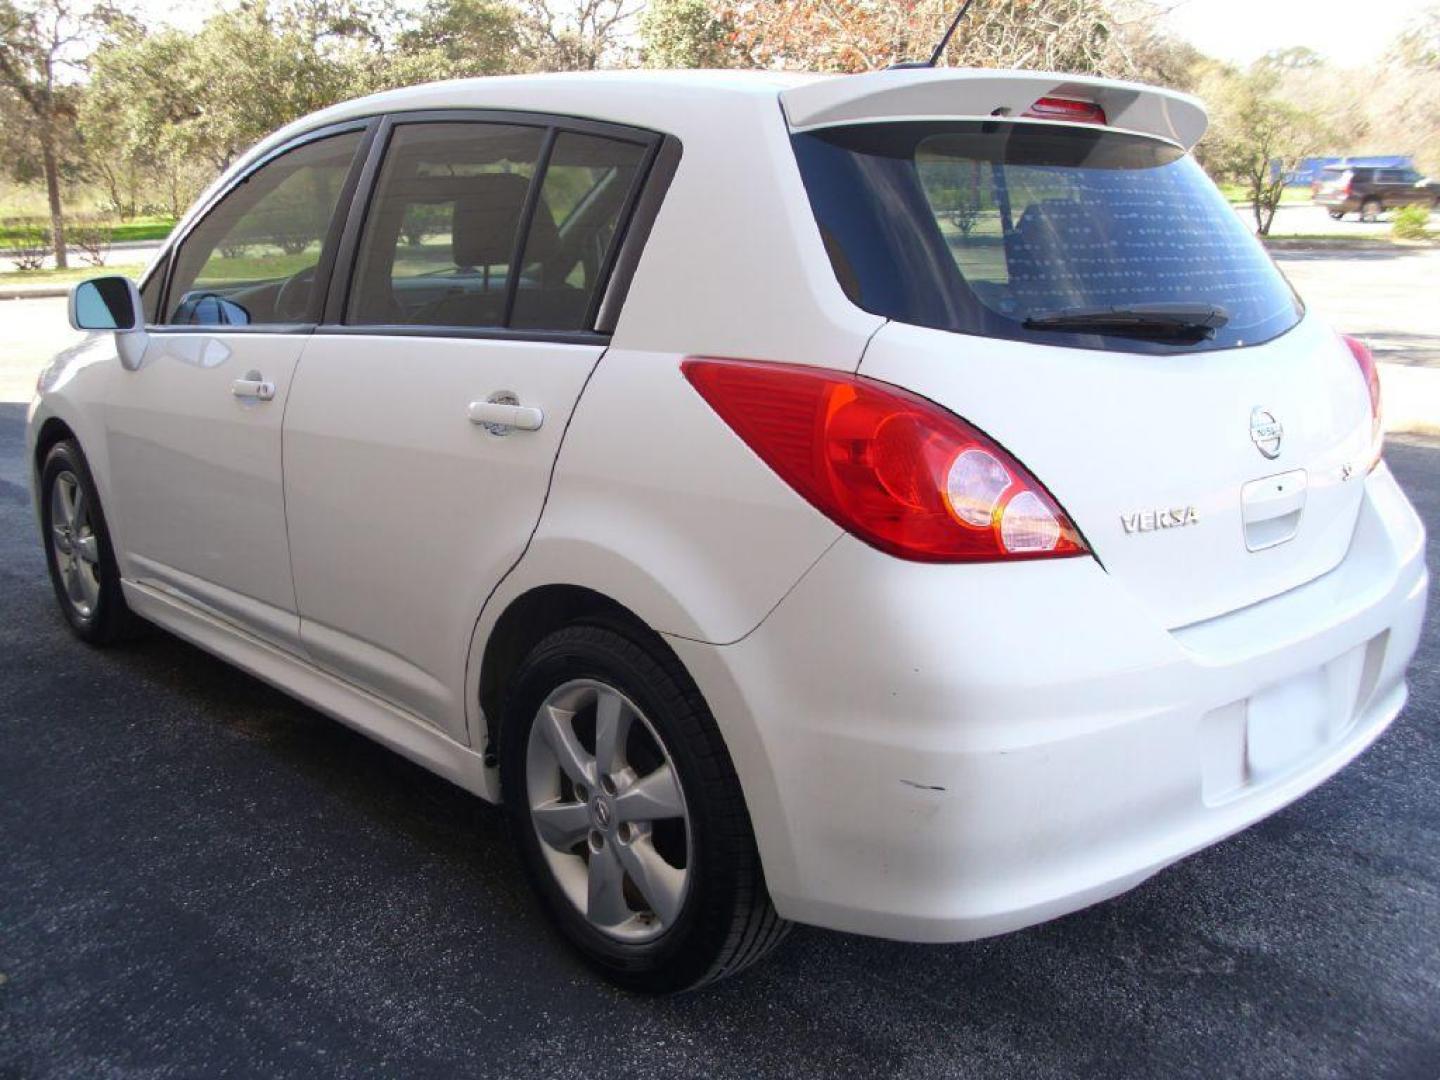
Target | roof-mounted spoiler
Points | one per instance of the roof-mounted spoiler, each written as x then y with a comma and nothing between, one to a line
962,93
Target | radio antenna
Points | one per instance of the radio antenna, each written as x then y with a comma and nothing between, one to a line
939,52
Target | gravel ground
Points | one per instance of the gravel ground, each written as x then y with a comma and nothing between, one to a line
200,877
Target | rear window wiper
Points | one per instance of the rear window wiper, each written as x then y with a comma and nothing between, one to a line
1166,322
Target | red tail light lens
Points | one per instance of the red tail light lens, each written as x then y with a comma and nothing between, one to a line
1371,374
894,469
1067,109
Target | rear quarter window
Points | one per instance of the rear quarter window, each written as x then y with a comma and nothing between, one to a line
983,227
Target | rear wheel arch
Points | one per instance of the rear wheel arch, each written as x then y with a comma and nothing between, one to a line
530,618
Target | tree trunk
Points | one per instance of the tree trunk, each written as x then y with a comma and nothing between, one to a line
52,190
112,184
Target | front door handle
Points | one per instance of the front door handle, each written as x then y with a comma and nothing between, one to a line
503,413
253,388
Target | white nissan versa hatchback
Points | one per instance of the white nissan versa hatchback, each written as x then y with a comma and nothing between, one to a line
907,503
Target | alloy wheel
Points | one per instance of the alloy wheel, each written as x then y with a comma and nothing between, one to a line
75,546
607,807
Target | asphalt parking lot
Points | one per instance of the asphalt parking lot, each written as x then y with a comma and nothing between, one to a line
200,877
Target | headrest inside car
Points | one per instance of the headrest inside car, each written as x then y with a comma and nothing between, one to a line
487,214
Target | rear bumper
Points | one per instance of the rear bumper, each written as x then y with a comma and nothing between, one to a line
1345,203
944,753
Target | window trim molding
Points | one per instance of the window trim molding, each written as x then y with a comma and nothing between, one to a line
324,269
634,233
483,333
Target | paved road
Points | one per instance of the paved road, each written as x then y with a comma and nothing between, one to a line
1307,219
31,333
1388,296
200,877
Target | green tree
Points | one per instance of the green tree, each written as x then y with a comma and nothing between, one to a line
43,48
685,34
135,118
179,107
1256,139
456,39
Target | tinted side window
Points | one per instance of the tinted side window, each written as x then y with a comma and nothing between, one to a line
587,188
252,259
442,226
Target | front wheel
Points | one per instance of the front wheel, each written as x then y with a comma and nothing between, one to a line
628,815
1371,210
78,549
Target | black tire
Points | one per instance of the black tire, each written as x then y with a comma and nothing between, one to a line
726,920
108,618
1336,215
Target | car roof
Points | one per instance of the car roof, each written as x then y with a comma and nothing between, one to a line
620,96
677,101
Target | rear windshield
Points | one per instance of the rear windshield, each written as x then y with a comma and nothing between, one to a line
993,227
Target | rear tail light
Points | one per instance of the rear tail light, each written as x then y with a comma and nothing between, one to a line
892,468
1371,374
1068,109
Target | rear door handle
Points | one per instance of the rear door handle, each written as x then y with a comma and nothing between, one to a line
500,417
253,388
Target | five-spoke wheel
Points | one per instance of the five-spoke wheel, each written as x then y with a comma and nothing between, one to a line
627,812
608,809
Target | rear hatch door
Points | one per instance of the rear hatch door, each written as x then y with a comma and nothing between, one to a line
1164,464
1087,298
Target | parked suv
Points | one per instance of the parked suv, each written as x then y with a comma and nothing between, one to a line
909,503
1369,192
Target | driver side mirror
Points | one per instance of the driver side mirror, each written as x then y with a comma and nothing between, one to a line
107,303
112,303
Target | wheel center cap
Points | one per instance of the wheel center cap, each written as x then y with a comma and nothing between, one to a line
602,813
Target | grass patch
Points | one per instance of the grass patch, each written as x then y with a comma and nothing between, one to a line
156,228
70,276
141,228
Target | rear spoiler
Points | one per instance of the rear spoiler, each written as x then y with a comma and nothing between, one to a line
948,93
